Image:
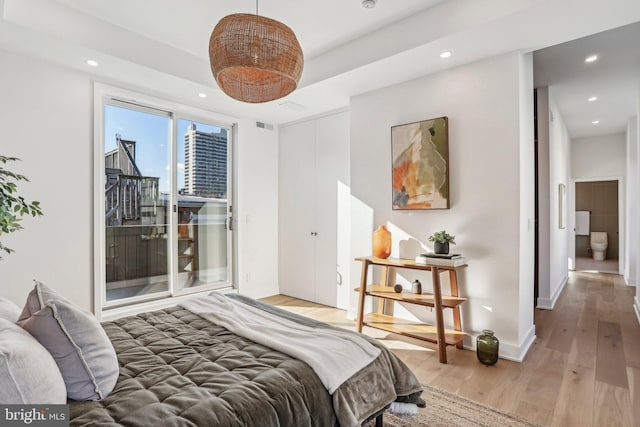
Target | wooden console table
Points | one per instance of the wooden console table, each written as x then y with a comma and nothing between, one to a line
433,333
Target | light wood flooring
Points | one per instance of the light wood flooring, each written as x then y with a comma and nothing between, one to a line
583,370
589,265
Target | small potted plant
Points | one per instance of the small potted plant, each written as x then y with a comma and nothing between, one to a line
441,241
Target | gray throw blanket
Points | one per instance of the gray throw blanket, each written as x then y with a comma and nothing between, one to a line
369,391
335,355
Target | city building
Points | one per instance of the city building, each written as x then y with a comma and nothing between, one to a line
205,155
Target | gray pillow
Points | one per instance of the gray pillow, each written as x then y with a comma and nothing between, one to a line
8,310
28,373
76,341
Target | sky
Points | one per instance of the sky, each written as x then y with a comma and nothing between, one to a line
153,140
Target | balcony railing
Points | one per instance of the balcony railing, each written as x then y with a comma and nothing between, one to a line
130,199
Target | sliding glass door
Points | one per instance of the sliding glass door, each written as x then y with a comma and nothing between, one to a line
202,176
136,216
166,205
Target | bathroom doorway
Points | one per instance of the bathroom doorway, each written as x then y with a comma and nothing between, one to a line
597,212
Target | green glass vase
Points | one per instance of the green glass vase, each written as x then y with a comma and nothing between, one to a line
487,346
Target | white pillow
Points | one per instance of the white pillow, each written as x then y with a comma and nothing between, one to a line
76,341
28,373
8,310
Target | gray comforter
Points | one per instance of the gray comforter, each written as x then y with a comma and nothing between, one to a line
178,369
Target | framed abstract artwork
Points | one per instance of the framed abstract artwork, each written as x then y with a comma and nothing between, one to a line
420,157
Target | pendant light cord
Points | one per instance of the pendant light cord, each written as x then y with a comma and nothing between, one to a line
256,7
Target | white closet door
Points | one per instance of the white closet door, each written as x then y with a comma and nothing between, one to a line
332,181
296,206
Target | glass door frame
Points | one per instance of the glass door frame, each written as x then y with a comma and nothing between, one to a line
105,94
229,212
118,103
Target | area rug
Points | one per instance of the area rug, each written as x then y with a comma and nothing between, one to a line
445,409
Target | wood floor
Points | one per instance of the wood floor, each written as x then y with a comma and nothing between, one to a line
583,370
589,265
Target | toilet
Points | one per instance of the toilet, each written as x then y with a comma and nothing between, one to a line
599,245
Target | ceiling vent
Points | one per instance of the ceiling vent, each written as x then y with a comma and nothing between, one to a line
263,125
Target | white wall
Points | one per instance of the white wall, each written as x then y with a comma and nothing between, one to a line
483,104
526,335
598,156
632,190
46,118
544,211
559,146
257,214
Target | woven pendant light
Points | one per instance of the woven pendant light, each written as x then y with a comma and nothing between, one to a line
255,59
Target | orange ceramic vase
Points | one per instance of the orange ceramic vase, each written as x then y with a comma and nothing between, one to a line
382,242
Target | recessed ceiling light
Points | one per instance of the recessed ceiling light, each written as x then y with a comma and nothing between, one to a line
593,98
202,95
369,4
595,122
445,54
591,58
92,62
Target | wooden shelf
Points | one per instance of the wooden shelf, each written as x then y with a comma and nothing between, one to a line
448,301
405,263
187,257
411,329
386,294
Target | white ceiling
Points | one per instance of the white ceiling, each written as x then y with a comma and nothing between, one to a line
613,79
187,25
161,46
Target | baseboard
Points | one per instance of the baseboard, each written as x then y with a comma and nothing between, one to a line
549,303
515,353
636,308
527,342
629,281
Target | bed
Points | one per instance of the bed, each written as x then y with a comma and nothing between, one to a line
177,367
180,369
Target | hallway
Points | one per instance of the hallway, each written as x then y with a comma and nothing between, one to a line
592,341
582,371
